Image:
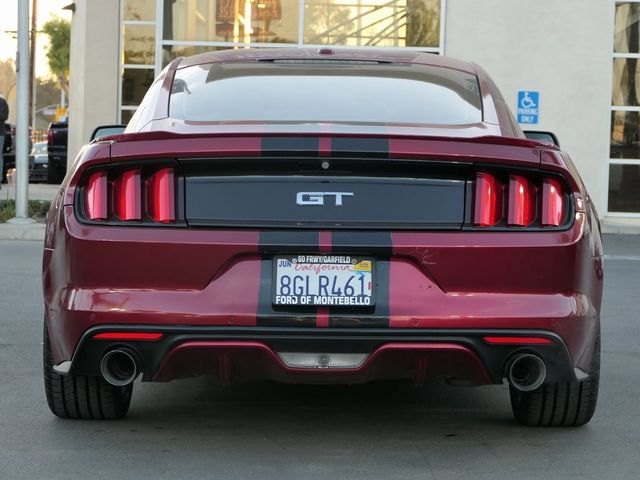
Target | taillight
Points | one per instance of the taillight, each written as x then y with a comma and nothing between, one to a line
134,195
488,205
96,196
518,201
128,336
127,196
522,201
49,137
161,203
552,202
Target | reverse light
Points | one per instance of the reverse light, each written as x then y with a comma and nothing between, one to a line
552,203
488,200
96,196
127,196
522,201
161,196
322,360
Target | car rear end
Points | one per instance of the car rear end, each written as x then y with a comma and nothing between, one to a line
326,254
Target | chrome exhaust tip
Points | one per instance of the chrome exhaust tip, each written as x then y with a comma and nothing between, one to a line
119,367
526,372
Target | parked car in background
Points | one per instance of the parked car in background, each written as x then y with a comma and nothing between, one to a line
38,162
323,216
57,136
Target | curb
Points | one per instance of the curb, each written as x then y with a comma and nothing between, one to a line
34,231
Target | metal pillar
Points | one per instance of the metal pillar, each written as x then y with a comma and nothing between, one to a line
22,117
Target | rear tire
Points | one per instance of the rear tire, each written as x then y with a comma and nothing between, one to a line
82,396
559,404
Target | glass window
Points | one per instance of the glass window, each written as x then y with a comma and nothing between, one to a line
626,81
624,188
326,91
147,108
627,33
238,21
139,44
135,83
383,23
125,116
139,10
625,135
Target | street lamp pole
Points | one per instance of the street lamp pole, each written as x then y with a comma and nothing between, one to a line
22,117
32,65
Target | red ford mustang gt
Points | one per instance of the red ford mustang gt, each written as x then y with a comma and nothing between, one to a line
323,217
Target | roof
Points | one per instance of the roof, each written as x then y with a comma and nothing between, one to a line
328,53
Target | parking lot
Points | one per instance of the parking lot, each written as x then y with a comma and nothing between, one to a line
197,429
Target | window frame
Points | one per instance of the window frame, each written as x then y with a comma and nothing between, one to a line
620,108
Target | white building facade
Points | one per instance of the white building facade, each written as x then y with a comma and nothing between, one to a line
581,57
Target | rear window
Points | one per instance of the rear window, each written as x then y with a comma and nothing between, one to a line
343,92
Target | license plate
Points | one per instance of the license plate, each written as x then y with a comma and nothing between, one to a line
323,280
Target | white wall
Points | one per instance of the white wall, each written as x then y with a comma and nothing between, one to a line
560,48
563,49
93,86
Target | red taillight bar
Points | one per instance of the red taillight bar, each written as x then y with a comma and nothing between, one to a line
147,336
96,196
161,204
518,340
127,196
488,200
122,199
522,201
528,202
552,202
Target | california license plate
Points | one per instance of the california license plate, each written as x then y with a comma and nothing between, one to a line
323,280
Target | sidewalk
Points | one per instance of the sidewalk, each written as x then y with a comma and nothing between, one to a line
37,191
620,225
33,231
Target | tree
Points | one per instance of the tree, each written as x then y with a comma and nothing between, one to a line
59,32
7,77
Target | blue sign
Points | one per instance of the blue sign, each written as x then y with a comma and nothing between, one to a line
528,107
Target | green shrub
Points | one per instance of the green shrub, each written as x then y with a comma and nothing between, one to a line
37,209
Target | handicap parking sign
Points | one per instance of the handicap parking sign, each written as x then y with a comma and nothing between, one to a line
528,107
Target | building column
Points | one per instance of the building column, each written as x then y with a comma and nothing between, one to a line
93,86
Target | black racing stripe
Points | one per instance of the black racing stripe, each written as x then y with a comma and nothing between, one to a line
361,243
290,146
280,243
373,244
289,242
372,147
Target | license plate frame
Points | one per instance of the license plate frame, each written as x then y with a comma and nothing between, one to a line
313,266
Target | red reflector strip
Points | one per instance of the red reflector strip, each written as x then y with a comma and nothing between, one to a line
161,203
518,340
128,336
488,200
127,196
522,201
96,196
552,203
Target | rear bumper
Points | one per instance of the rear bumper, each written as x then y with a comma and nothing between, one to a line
240,354
202,285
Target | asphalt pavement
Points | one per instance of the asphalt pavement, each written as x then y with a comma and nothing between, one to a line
391,430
